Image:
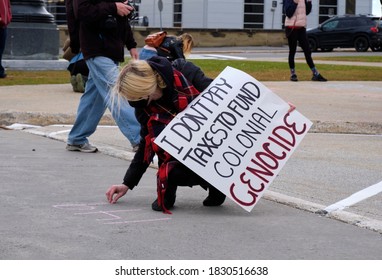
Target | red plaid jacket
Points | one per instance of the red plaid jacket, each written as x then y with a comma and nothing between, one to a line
159,117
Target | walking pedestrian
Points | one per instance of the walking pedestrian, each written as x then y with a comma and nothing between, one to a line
295,30
101,30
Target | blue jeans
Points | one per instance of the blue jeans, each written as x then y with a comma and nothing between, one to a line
145,54
103,73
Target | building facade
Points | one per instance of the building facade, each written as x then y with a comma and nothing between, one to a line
242,14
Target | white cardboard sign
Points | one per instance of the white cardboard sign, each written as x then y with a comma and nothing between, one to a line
237,135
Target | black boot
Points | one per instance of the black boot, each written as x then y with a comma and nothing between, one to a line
214,198
169,200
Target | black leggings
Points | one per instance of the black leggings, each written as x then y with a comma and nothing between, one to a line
295,35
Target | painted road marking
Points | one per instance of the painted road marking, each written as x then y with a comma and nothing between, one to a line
138,221
355,198
108,217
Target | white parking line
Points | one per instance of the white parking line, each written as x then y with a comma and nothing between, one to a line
219,56
215,56
355,198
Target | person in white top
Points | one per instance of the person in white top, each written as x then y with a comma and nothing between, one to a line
296,12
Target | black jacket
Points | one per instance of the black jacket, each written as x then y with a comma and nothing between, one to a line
87,30
171,48
194,74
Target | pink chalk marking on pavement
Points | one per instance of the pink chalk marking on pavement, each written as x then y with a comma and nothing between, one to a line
79,207
108,213
112,216
138,221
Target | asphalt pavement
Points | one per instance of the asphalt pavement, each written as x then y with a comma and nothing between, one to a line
54,205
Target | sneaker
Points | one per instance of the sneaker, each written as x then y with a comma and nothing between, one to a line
73,81
214,198
293,78
80,83
318,78
85,148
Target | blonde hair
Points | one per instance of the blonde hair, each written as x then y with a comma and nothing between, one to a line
137,80
188,43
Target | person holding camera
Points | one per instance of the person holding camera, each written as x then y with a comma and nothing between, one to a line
102,30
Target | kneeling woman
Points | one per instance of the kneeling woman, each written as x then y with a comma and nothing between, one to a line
158,92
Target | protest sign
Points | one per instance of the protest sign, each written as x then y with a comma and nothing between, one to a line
237,135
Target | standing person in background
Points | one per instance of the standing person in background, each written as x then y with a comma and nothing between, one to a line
79,72
5,19
102,30
77,68
295,30
172,47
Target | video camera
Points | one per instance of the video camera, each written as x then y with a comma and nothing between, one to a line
133,14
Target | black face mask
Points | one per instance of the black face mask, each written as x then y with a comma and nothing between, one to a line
139,103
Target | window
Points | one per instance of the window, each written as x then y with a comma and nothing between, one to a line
253,13
327,9
350,7
58,10
362,22
346,24
177,13
330,25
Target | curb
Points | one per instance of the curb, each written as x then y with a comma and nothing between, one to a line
45,119
343,216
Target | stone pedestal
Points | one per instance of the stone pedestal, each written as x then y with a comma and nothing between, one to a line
32,41
33,33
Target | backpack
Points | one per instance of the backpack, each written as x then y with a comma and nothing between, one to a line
289,8
156,39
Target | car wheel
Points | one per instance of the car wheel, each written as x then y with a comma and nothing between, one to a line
376,48
361,44
312,44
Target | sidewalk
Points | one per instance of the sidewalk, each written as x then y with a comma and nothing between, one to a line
334,107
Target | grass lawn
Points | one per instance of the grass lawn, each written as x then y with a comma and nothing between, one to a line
262,71
353,58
